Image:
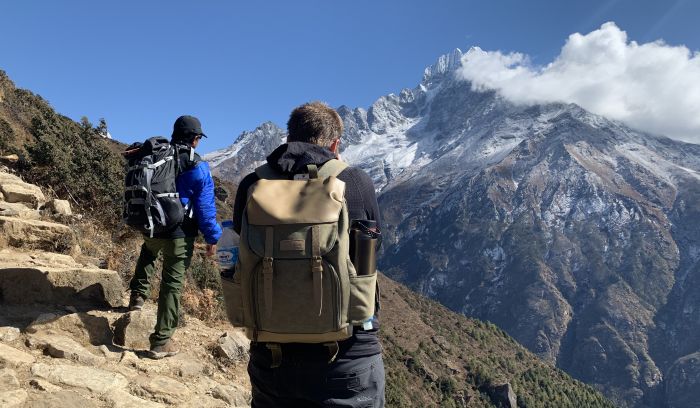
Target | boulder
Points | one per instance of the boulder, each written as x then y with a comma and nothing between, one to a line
27,194
8,334
91,327
59,346
121,399
26,233
59,399
161,388
133,329
186,366
8,380
18,210
232,346
59,207
10,356
92,379
11,399
502,395
16,190
232,394
31,277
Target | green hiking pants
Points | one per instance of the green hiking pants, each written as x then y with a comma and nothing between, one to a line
177,255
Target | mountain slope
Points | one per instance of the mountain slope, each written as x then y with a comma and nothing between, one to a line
72,158
575,234
435,357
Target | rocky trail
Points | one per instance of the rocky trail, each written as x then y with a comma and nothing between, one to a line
61,316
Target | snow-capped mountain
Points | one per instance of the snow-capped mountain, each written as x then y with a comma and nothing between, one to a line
246,153
575,234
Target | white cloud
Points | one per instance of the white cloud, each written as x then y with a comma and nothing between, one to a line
654,87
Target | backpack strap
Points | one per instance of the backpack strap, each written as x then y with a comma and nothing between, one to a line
268,269
317,268
332,168
312,169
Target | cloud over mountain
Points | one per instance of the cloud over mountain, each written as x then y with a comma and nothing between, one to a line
654,87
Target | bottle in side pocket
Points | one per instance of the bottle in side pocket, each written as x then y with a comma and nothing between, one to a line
227,250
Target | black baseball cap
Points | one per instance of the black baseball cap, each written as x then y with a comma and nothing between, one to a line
186,128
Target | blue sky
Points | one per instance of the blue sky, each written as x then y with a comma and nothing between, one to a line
236,64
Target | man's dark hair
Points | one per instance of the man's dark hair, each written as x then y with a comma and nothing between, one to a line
314,122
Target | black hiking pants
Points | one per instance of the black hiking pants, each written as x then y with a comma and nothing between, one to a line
303,382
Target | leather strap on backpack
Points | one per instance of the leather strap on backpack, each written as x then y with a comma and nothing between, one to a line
317,267
332,168
268,269
313,171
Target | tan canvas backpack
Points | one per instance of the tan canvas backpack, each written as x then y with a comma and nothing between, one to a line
294,281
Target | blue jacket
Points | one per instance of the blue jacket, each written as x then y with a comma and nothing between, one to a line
196,189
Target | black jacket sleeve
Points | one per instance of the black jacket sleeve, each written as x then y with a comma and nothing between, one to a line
360,195
241,199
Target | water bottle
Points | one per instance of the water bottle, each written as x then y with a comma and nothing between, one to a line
227,250
363,246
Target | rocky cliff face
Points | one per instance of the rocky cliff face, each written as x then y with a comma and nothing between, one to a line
575,234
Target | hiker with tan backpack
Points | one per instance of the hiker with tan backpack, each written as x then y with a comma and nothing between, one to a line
310,312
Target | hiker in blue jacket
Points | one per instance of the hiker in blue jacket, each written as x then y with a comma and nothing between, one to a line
196,189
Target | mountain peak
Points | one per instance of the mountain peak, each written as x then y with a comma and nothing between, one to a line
445,64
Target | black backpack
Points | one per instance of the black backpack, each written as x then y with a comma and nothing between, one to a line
151,202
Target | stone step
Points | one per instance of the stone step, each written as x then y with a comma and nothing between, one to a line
93,379
18,210
16,190
36,234
48,278
10,356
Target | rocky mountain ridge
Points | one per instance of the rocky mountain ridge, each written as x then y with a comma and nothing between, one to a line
575,234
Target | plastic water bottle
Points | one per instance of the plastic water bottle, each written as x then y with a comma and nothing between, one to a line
227,249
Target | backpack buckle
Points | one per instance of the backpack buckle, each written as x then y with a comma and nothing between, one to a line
316,264
267,265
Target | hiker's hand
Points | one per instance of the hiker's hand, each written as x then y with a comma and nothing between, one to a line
211,249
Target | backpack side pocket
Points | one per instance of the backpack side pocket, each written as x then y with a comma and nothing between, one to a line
233,298
363,290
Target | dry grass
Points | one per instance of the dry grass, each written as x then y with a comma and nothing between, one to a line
203,304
